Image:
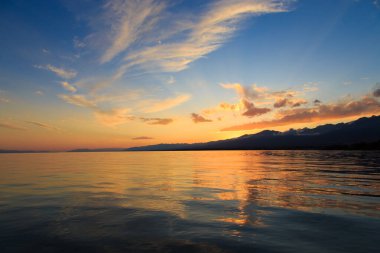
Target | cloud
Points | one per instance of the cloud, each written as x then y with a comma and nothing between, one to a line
376,92
280,103
317,102
130,19
297,103
171,80
142,138
4,100
79,100
113,117
283,102
39,92
43,125
157,106
78,43
157,121
197,38
247,93
196,118
364,106
11,126
376,3
252,111
65,74
68,87
108,117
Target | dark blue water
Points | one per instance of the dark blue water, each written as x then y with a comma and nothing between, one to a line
214,201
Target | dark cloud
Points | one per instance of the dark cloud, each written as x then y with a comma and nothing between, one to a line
280,103
317,102
142,138
298,103
252,111
196,118
363,106
157,121
376,92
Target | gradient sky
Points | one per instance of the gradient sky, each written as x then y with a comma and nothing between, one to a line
113,73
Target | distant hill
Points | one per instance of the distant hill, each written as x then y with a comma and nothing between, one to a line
363,133
6,151
97,150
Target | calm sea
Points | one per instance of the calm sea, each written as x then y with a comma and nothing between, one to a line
206,201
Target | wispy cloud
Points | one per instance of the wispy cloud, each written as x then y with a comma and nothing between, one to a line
186,43
68,87
108,117
161,105
61,72
78,43
79,100
131,19
142,138
113,117
4,100
196,118
12,126
43,125
157,121
361,107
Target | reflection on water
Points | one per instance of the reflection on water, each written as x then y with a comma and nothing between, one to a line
214,201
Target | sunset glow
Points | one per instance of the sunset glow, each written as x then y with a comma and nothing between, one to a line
118,74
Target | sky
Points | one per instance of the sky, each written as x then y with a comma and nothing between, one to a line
123,73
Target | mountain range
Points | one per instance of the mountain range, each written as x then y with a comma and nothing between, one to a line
363,133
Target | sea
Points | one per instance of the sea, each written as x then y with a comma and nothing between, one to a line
191,201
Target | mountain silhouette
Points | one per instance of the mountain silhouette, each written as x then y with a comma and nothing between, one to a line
363,133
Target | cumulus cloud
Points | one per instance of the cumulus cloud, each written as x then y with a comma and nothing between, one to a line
252,111
142,138
247,93
361,107
68,87
280,103
157,121
196,118
64,73
162,105
298,103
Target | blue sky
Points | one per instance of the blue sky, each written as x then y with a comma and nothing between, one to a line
217,68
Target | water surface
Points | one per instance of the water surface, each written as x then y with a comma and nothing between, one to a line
203,201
